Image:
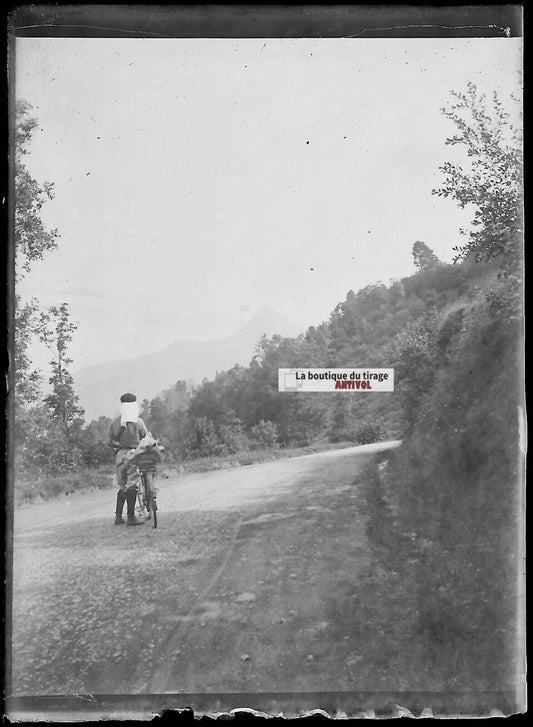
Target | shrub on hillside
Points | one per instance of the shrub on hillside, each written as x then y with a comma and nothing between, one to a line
264,435
231,438
367,433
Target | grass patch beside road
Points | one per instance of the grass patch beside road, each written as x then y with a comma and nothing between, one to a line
49,487
247,457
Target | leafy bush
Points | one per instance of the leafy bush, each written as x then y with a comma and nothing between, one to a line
264,435
368,433
231,438
45,446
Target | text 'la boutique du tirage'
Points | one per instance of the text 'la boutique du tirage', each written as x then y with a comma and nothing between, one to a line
302,380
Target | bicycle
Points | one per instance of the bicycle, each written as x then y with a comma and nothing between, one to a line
147,495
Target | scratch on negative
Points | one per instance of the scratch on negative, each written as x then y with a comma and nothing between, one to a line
505,31
94,27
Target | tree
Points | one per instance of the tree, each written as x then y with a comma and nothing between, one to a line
417,361
159,418
202,440
56,331
423,256
492,179
95,447
27,381
145,410
32,240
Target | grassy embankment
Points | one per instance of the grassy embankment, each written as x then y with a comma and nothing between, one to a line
446,509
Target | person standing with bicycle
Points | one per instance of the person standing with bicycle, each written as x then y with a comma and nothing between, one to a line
125,434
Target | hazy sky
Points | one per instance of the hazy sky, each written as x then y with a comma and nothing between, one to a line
199,180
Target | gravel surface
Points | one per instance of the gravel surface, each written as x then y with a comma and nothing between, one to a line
257,579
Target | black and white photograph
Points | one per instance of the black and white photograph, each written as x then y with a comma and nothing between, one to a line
266,397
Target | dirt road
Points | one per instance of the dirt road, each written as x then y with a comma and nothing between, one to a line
258,579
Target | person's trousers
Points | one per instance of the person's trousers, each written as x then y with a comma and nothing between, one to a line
128,475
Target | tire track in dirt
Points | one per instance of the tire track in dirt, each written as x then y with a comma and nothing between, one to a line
161,674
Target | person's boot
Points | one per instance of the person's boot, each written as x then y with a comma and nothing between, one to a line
121,499
131,499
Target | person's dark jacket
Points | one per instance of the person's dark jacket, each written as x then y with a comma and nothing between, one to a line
126,437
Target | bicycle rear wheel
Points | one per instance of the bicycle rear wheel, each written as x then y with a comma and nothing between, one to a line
151,502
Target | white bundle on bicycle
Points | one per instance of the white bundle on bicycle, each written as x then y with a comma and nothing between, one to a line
148,449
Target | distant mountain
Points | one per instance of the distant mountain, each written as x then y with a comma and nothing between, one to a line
99,387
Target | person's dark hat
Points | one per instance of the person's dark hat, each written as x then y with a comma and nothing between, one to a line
127,398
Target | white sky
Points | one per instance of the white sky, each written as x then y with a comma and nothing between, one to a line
199,180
